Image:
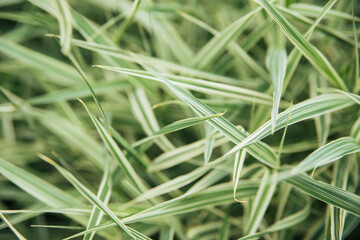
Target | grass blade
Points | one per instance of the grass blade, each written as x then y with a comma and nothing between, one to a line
327,154
276,63
143,112
261,203
209,143
316,58
65,24
287,222
104,194
64,74
89,195
259,150
116,153
203,86
13,229
37,187
218,43
176,126
327,193
310,108
238,164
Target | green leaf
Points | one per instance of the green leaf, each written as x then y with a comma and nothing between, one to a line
36,186
327,193
57,71
259,150
238,164
285,223
210,88
218,43
176,126
276,63
65,24
315,57
117,153
89,195
327,154
144,113
310,108
261,203
13,229
104,194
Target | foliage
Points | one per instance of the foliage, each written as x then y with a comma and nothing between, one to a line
179,119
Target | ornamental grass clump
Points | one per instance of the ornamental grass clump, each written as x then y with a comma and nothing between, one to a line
179,120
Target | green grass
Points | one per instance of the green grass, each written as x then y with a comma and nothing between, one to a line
179,120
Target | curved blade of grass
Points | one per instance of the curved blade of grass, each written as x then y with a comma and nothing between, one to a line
128,20
209,143
184,153
116,153
37,187
310,108
176,126
48,6
88,195
357,60
325,192
233,48
338,216
214,196
78,92
331,31
144,113
316,58
295,55
93,94
288,222
219,42
65,25
276,62
167,234
313,10
327,154
238,164
355,131
57,70
103,194
225,228
261,203
259,150
203,86
322,123
118,53
13,229
352,96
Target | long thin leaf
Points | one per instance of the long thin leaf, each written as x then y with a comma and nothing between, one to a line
327,193
176,126
13,229
104,194
276,63
261,203
327,154
89,195
259,150
116,153
310,52
310,108
287,222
